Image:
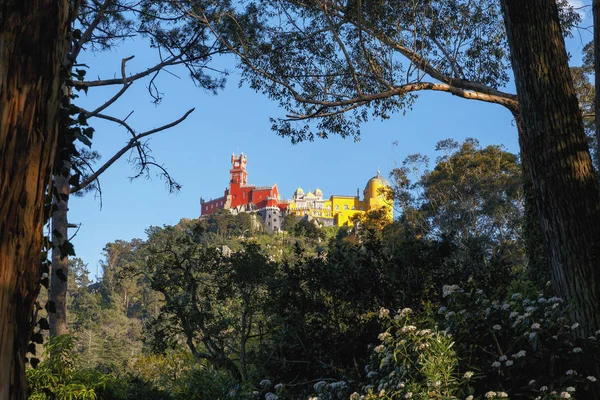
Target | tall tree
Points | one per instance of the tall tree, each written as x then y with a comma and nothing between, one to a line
553,141
34,37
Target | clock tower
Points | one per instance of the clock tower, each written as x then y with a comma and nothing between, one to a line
238,172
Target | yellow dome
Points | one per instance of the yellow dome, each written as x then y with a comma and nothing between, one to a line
378,180
309,194
318,192
299,192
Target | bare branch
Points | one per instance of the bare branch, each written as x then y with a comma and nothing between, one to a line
106,82
126,85
133,142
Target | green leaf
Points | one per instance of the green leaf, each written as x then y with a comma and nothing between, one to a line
45,268
74,181
37,338
44,325
89,132
82,119
50,307
34,362
67,249
84,140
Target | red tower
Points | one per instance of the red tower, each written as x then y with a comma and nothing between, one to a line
238,172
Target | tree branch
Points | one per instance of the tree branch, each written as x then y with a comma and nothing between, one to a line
133,142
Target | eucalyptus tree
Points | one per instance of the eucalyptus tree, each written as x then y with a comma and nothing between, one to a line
34,36
553,142
40,41
334,64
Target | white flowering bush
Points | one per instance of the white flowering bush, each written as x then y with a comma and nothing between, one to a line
523,347
414,361
324,390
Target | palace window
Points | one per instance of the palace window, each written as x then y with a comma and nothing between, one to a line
345,206
337,208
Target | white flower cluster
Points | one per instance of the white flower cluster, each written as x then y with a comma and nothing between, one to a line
448,290
384,312
319,386
493,395
520,354
405,311
336,386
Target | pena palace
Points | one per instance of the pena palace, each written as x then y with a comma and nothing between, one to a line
265,201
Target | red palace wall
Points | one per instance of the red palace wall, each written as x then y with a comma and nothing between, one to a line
210,207
241,194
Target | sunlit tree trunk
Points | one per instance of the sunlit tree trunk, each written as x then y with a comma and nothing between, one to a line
33,42
553,141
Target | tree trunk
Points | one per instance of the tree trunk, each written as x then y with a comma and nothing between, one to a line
60,262
596,17
33,42
538,266
553,141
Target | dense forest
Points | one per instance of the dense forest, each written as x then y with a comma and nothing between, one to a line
483,287
441,303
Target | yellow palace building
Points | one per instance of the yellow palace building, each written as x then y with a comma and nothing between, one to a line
338,210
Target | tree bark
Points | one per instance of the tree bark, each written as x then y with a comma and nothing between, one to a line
60,262
538,265
596,18
553,141
33,39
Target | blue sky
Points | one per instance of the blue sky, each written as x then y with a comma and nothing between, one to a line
197,152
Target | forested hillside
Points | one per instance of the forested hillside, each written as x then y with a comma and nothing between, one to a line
442,303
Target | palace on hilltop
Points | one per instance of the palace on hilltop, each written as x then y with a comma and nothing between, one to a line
265,201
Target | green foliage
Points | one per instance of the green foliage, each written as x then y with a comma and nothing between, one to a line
353,61
524,346
212,302
472,200
56,377
230,311
413,362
